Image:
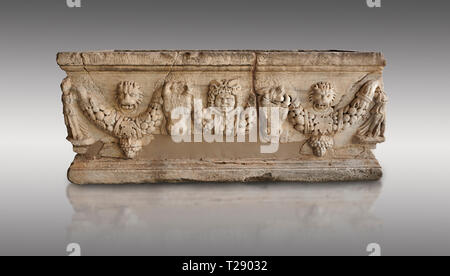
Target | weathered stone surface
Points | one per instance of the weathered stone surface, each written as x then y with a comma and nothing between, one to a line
240,116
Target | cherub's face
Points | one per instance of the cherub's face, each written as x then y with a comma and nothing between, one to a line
129,96
225,101
322,99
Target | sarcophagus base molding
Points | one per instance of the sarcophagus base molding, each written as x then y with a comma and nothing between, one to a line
223,116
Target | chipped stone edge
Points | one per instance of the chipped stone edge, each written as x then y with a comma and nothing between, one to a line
122,172
221,58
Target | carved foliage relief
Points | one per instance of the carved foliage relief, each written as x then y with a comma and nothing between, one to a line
115,119
324,119
319,119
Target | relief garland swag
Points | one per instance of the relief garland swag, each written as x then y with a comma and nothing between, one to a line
332,105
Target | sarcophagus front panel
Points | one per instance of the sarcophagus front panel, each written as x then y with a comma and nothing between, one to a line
215,116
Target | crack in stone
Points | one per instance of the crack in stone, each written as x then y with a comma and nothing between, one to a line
175,59
344,165
342,101
83,60
255,64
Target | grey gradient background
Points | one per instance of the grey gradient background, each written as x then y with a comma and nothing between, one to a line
410,209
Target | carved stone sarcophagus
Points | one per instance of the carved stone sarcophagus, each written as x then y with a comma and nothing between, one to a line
221,116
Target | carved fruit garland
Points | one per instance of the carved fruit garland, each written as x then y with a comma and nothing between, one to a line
129,130
322,121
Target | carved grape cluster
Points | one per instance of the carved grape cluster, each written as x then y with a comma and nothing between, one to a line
297,118
152,120
352,115
129,127
321,144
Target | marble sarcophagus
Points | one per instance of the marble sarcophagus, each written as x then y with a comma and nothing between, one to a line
223,116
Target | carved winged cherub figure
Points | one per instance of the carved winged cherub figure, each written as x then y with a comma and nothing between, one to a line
276,96
77,131
176,94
